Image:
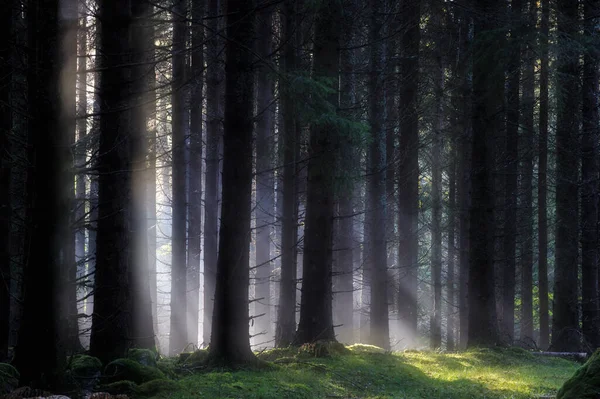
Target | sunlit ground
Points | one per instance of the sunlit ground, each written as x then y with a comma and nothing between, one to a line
367,374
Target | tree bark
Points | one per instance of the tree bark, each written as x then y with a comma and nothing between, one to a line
230,341
488,92
408,168
316,319
565,321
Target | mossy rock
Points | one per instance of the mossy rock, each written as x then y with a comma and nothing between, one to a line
272,355
168,366
154,387
145,357
84,366
9,378
124,387
195,358
585,383
130,370
365,349
322,349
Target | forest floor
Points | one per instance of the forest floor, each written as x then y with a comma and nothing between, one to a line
367,372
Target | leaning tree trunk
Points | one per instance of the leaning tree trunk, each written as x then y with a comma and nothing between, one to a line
195,177
565,321
5,173
40,353
408,168
589,176
178,330
542,179
376,210
111,320
488,92
316,319
230,340
213,134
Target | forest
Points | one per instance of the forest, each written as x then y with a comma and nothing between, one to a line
299,198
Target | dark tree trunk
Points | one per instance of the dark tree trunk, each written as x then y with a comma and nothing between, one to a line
408,167
195,177
511,173
542,179
451,308
142,52
488,92
565,321
111,320
213,135
286,317
376,210
178,330
230,340
526,205
316,319
6,50
40,353
589,176
264,179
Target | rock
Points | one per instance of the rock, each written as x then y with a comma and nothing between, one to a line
145,357
9,378
130,370
585,383
84,372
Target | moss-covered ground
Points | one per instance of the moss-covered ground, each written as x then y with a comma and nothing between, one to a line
366,372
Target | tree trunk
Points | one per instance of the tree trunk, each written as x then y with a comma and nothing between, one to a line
40,353
213,134
408,168
511,174
178,330
286,317
565,321
542,179
589,176
230,341
451,307
316,319
488,92
5,174
264,179
111,321
526,205
195,177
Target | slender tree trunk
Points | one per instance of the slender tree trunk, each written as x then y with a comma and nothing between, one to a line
316,319
565,321
40,352
178,330
488,92
213,134
6,120
451,307
264,179
542,179
589,176
286,317
111,321
195,178
510,182
408,168
230,341
526,205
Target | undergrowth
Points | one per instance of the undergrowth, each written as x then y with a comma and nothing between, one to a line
370,373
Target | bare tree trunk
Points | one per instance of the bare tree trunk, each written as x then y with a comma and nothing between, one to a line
230,341
451,308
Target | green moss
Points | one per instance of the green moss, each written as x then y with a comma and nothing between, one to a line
120,388
585,383
322,349
168,366
362,348
84,366
155,387
271,355
9,378
127,369
193,359
145,357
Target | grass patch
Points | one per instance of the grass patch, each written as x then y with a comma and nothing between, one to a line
370,373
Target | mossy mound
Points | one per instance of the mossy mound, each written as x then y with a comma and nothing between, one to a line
322,349
585,383
120,388
155,387
168,366
84,366
193,359
9,378
130,370
274,354
363,348
145,357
